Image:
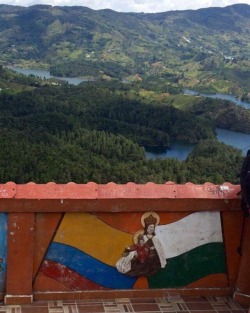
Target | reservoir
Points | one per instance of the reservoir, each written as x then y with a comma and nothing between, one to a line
177,150
180,150
238,140
43,74
222,96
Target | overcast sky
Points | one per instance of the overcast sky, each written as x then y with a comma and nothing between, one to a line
146,6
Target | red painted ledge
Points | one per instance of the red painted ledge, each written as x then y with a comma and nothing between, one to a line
113,197
116,191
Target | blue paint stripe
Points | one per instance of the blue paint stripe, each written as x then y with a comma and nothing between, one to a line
89,267
3,249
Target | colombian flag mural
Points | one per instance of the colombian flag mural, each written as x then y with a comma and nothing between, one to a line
86,248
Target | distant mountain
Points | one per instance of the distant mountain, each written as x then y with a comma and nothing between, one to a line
195,47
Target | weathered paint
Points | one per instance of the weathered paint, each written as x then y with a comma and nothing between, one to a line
90,247
100,220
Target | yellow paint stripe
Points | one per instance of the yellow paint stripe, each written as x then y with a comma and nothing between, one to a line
87,233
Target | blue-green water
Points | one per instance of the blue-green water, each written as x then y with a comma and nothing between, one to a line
180,150
222,96
46,75
238,140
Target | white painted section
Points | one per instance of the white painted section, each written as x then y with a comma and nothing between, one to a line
190,232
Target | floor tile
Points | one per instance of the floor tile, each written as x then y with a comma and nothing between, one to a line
34,309
145,307
199,306
143,300
169,304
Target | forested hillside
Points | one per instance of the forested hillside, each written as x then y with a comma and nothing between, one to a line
206,49
139,64
95,132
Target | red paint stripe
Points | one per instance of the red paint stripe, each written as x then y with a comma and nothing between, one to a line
68,277
131,222
45,283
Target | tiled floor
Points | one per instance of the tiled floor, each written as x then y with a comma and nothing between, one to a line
169,304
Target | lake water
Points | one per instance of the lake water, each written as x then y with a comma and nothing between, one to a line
180,150
43,74
238,140
222,96
46,75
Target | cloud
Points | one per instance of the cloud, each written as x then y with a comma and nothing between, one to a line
132,5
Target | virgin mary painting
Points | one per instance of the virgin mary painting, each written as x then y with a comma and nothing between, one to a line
147,255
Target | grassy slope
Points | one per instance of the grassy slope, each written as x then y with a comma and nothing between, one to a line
191,44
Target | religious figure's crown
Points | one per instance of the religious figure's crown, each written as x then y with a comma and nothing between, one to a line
150,220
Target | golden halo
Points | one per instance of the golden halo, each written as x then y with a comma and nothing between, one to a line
139,232
147,214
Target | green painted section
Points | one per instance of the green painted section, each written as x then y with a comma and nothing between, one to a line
190,266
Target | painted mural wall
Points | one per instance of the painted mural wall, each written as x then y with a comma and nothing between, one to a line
105,251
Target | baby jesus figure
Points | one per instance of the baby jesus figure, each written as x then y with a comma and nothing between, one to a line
142,250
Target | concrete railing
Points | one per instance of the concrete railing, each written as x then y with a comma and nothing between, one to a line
70,241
